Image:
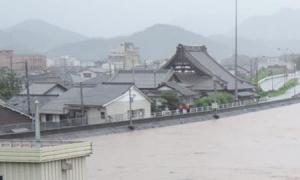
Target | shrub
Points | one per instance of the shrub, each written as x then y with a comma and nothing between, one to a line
221,98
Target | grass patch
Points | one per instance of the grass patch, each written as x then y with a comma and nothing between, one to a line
261,74
288,85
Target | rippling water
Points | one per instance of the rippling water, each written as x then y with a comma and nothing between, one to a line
261,145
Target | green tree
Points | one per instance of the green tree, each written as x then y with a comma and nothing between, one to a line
169,99
221,98
9,84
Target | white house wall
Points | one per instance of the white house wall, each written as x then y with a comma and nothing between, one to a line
121,105
94,116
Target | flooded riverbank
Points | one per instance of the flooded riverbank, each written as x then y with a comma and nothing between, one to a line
260,145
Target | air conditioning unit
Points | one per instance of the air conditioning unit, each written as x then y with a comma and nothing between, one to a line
65,165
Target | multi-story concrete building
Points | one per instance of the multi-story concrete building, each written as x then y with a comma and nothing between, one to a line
63,61
6,58
126,56
36,62
16,62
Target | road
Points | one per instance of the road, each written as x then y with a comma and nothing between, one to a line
277,81
260,145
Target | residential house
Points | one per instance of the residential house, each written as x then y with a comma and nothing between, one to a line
153,82
9,116
43,92
103,103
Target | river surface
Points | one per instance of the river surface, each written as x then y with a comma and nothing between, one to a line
260,145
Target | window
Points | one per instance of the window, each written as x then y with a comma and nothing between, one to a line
102,115
87,75
49,118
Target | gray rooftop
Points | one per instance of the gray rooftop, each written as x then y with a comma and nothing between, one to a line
19,102
199,57
40,88
92,96
180,88
144,79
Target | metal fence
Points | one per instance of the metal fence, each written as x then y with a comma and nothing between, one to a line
28,127
77,122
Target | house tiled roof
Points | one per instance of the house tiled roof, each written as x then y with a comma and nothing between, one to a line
92,96
199,57
180,88
144,79
197,83
19,102
97,80
40,88
9,115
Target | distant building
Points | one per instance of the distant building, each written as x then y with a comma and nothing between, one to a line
6,58
63,61
9,60
36,63
126,56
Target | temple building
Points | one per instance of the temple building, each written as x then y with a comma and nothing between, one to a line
196,69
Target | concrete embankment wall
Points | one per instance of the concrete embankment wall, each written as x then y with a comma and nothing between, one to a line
184,118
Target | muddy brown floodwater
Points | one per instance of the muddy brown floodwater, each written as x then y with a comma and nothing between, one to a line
260,145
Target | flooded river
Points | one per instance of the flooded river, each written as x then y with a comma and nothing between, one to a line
261,145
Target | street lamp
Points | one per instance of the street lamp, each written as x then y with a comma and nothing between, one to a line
215,103
236,53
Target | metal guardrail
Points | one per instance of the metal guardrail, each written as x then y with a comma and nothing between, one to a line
29,127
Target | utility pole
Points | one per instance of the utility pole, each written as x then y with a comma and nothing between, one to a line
81,103
110,73
215,104
236,53
37,124
131,126
11,62
155,81
256,73
133,72
272,75
295,78
27,88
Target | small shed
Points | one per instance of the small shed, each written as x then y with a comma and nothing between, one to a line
47,160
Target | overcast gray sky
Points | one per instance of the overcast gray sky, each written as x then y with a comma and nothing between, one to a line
109,18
